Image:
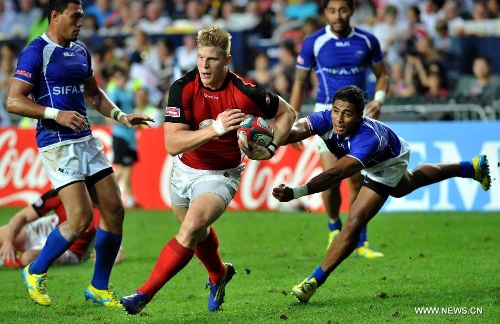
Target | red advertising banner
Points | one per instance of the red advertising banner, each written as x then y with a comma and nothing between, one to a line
23,179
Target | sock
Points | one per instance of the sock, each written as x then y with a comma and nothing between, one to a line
172,259
320,275
335,226
467,169
55,245
207,252
106,248
362,238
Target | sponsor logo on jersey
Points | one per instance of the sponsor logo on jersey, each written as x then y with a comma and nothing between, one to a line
206,95
68,90
68,54
342,44
345,71
300,59
268,99
173,112
39,203
23,73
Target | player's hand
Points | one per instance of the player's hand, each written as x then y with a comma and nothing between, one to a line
73,120
255,152
283,193
227,121
372,109
136,119
8,251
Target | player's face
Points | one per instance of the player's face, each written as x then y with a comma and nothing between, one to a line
344,117
338,15
212,66
69,22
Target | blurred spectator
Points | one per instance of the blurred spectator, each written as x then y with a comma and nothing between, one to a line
124,138
176,9
186,54
402,6
168,70
388,32
261,73
283,72
493,8
144,77
238,21
117,22
431,12
7,21
153,23
194,20
452,15
28,13
419,65
143,106
300,10
436,93
101,10
8,61
482,88
400,87
449,51
414,29
136,14
364,13
89,28
479,11
40,23
140,42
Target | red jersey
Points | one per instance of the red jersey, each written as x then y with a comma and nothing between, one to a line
51,201
189,102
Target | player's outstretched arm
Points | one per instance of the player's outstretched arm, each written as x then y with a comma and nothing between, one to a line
97,98
10,231
344,168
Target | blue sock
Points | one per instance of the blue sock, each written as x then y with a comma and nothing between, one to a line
55,245
335,226
362,237
467,169
106,248
320,275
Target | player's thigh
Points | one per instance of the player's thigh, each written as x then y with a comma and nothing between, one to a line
355,182
365,207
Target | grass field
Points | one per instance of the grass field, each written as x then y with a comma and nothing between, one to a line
445,260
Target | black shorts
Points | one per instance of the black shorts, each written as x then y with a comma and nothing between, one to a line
123,155
380,188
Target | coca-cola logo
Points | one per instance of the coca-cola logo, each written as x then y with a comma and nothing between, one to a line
22,175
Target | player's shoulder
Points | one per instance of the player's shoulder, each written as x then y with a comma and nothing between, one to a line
189,77
35,47
360,32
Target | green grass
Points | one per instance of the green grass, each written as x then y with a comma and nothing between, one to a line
432,260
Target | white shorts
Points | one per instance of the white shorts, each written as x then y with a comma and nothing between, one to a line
188,183
390,171
322,148
74,162
37,233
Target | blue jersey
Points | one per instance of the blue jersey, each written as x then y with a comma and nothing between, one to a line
339,61
57,75
371,143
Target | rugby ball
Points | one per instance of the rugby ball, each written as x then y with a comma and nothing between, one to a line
255,129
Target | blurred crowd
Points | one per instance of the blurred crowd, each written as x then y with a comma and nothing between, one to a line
416,37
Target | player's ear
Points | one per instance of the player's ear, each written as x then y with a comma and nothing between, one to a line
228,59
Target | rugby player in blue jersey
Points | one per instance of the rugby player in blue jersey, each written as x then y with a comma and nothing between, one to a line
340,55
52,82
364,145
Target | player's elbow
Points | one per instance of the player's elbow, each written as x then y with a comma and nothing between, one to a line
172,150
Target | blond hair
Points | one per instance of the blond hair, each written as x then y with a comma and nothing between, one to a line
215,36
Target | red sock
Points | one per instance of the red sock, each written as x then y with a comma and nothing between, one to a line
171,260
207,252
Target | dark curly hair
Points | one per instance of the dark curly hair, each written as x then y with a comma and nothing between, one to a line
353,95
